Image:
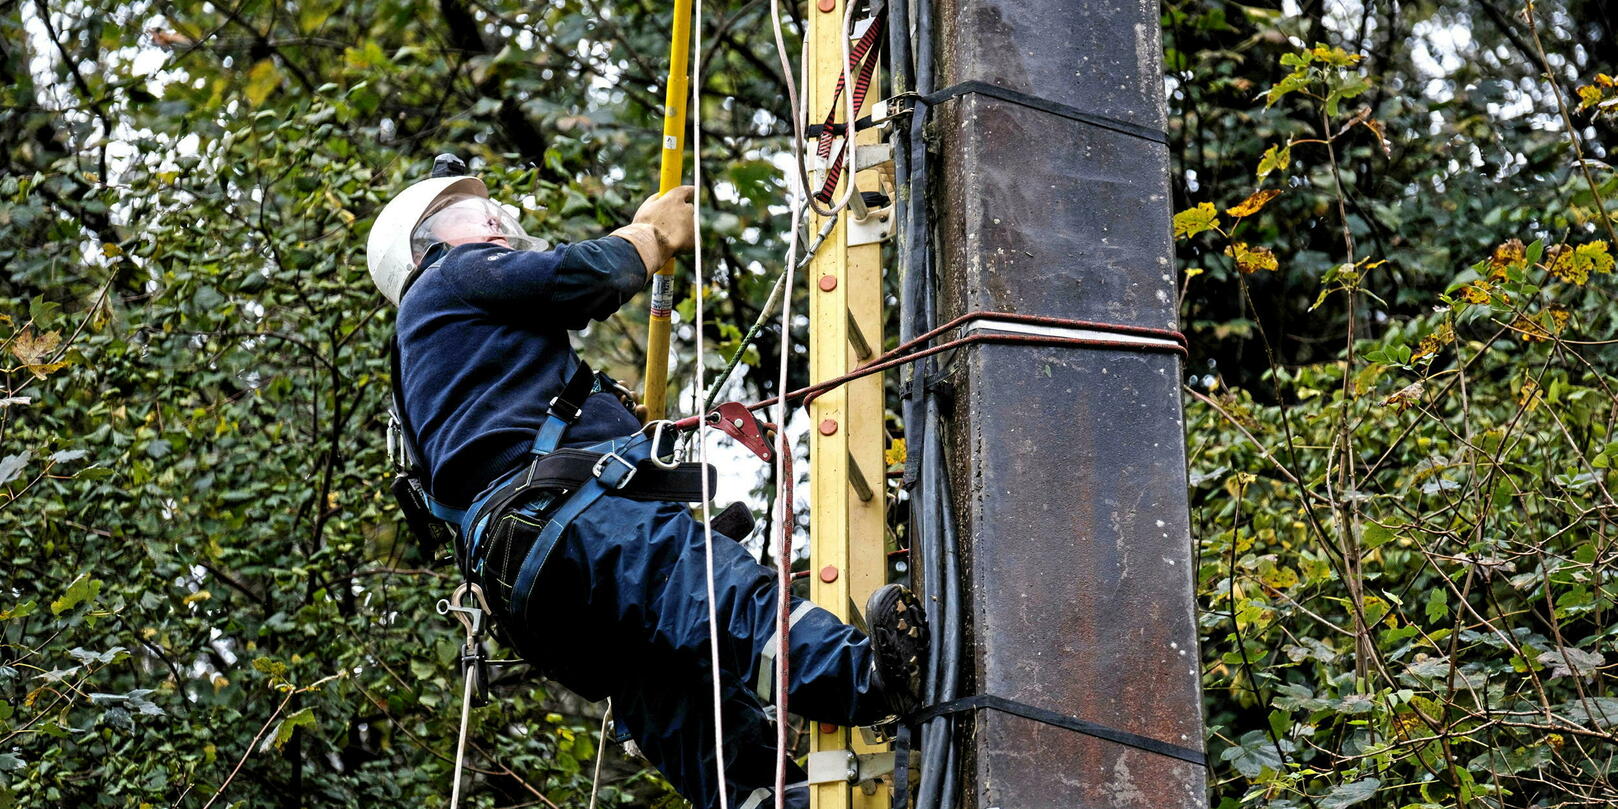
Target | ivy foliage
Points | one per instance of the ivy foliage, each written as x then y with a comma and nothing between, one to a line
1401,433
1398,267
209,599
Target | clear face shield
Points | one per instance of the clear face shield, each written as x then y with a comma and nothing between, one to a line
468,219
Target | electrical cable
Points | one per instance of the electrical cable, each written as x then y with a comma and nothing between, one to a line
935,535
783,498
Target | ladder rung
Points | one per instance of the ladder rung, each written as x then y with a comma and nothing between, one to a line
856,478
856,338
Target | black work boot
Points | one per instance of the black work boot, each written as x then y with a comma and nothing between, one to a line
898,645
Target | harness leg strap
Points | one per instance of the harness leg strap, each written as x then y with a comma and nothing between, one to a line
614,471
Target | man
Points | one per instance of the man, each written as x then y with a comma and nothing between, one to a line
612,599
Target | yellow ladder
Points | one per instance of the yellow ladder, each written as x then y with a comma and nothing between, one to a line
847,528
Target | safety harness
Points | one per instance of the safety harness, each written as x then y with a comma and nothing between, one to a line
632,466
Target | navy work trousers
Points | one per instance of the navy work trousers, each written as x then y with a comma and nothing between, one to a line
621,610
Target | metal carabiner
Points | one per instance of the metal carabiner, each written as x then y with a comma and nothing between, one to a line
658,427
471,618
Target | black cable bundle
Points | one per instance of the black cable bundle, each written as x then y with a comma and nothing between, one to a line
933,538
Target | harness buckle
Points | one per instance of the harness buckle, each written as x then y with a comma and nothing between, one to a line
617,482
392,441
563,409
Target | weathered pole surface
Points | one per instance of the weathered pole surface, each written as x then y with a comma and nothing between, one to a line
1067,464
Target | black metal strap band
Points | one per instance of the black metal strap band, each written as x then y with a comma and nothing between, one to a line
1046,105
1072,723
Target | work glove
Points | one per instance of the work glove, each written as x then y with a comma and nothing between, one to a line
662,227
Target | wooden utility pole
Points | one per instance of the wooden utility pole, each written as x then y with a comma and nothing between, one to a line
1067,463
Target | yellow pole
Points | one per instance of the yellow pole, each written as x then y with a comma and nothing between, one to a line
674,105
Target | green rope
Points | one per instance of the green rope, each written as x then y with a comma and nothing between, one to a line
765,314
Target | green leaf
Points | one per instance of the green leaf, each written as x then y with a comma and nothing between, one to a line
1375,536
1255,753
22,610
1280,723
1343,92
83,590
1290,84
12,466
1192,221
1348,795
1437,606
284,731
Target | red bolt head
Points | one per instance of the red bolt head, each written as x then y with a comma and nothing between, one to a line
827,5
828,427
828,728
828,283
828,574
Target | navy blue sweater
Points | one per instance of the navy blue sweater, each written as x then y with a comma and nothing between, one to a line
483,348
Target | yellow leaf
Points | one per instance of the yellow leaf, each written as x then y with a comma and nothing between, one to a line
200,595
1529,330
1429,345
1252,259
1511,255
1562,262
1192,221
1574,264
1254,203
1335,56
261,81
337,205
1589,96
1530,397
1597,255
33,348
1275,158
895,453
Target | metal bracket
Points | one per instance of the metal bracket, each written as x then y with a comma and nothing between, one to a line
846,767
868,156
876,227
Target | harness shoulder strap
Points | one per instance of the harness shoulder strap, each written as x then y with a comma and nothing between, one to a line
410,488
564,409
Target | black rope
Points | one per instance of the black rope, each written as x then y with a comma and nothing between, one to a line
1046,105
1072,723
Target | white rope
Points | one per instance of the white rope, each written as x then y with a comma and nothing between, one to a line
460,744
784,519
601,753
702,395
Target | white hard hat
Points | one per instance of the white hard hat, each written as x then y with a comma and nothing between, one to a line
387,251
